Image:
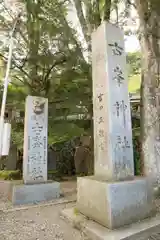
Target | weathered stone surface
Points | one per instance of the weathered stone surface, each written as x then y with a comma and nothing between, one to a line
114,204
86,141
29,194
12,158
35,140
112,118
52,158
81,156
112,197
148,229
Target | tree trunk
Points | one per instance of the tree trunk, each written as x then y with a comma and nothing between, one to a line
107,10
33,30
150,89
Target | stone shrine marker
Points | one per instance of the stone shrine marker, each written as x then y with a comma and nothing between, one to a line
112,117
35,140
115,196
36,188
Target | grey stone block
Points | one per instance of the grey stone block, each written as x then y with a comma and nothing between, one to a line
114,204
29,194
148,229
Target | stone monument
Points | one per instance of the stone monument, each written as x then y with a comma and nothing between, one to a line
35,140
112,197
36,188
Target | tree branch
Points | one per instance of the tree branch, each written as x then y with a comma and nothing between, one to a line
80,15
69,29
58,101
24,82
107,10
19,67
131,3
142,8
63,60
94,15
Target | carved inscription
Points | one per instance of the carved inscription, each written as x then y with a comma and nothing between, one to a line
118,76
37,140
116,49
122,157
113,134
101,133
120,108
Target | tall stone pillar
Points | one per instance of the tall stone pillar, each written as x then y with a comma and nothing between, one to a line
113,196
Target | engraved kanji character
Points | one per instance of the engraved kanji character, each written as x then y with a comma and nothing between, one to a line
118,75
116,49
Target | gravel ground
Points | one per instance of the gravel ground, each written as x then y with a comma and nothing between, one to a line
43,222
68,190
40,223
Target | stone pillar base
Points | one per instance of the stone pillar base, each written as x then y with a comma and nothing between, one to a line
114,204
30,194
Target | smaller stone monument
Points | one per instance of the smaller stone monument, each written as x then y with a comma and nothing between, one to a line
36,188
35,141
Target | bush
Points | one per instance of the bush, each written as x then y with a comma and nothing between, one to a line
65,157
136,152
136,146
10,175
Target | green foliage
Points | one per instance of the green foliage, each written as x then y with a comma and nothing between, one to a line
134,83
63,131
53,175
134,63
10,175
137,151
134,70
136,146
65,157
76,212
49,61
17,134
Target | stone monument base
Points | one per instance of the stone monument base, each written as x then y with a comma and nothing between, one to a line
114,204
30,194
143,230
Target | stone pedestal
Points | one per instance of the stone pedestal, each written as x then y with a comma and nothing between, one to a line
114,204
31,194
20,194
112,197
142,230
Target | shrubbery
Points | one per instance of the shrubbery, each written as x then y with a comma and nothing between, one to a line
10,175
